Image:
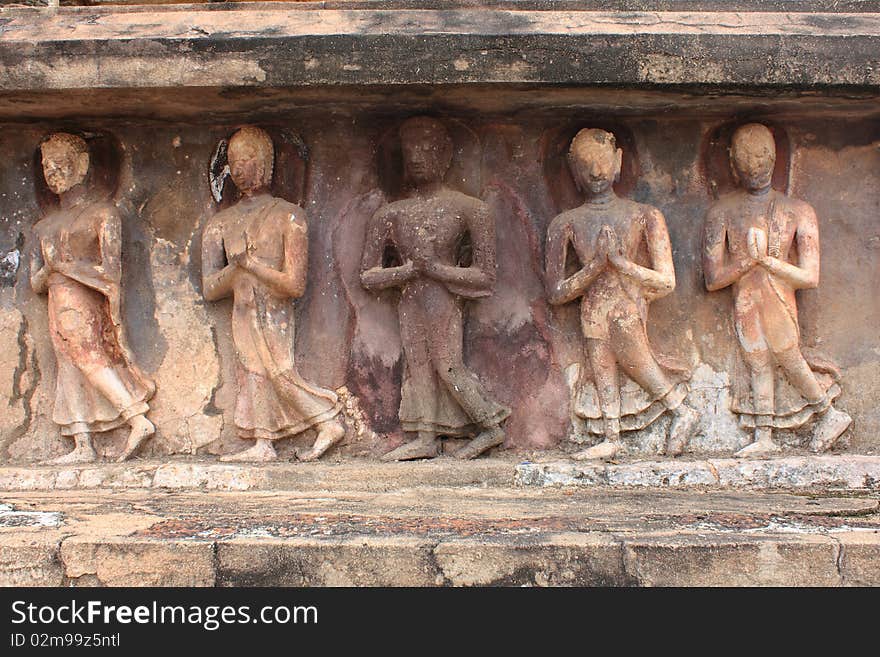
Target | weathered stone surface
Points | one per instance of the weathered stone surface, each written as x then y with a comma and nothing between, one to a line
426,536
190,370
392,561
852,472
214,476
28,479
193,47
15,351
564,560
695,560
860,557
661,474
28,558
117,562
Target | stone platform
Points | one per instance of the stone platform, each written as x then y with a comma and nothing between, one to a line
426,524
844,472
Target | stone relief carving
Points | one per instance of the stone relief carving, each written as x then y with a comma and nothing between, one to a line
765,245
615,256
77,262
428,253
256,251
436,249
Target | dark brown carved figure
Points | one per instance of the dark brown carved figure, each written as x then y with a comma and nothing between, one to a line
78,263
257,252
625,262
415,245
766,246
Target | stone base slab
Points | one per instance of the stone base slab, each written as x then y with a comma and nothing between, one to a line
844,472
432,536
849,472
366,475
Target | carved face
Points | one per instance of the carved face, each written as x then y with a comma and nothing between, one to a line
63,166
753,156
426,149
246,166
596,165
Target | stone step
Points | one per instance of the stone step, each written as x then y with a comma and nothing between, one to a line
429,536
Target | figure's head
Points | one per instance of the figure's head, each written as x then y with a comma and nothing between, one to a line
65,159
251,157
753,155
426,148
595,160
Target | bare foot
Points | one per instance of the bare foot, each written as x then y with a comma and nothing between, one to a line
80,454
605,450
330,434
141,429
484,441
828,429
681,430
421,448
261,452
761,447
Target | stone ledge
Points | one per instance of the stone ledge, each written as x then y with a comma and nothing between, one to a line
844,472
106,48
588,559
428,536
211,475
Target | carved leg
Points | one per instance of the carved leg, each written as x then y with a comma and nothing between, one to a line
141,429
487,439
426,446
833,422
763,400
800,375
605,450
829,429
763,444
604,366
329,433
684,423
262,452
637,360
108,383
83,452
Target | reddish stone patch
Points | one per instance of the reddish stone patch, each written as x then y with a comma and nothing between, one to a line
319,525
735,521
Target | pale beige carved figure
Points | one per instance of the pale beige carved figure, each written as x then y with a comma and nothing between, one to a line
414,245
765,245
257,252
625,261
78,262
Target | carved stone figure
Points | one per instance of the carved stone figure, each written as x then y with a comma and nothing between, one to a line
437,246
766,246
257,252
77,261
624,262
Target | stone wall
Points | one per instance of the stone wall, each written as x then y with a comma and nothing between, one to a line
514,341
160,132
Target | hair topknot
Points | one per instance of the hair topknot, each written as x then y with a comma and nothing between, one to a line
589,136
74,142
755,133
261,140
417,126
